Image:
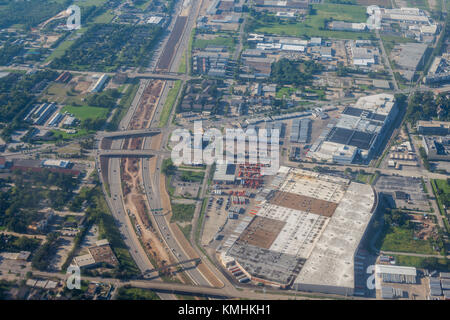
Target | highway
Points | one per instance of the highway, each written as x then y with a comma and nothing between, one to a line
132,153
172,288
151,186
151,180
129,133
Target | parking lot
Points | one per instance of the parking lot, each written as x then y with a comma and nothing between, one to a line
416,198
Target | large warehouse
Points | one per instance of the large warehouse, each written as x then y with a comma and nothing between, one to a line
305,232
360,130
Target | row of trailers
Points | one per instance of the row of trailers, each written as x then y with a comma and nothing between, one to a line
238,274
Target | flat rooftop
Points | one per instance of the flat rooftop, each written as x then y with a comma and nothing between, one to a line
331,263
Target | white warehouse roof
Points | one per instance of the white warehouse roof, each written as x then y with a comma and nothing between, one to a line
390,269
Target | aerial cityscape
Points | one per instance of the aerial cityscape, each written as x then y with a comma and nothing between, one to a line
224,150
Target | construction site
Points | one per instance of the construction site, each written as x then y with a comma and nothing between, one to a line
302,231
133,194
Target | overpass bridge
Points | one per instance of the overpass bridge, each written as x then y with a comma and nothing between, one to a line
195,260
117,153
131,133
162,76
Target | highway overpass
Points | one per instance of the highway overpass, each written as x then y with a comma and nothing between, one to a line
132,153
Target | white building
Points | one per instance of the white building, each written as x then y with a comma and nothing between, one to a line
396,274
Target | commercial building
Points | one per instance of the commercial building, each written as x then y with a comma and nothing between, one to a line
100,83
360,130
305,232
225,173
362,56
100,253
439,70
396,274
433,127
56,163
437,148
404,15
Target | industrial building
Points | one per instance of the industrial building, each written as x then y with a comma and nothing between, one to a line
300,130
437,148
433,127
439,70
98,87
304,233
396,274
360,130
404,15
39,114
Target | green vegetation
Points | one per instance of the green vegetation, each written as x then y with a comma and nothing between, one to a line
187,229
19,205
389,42
314,24
424,106
106,47
9,51
423,155
63,47
441,190
170,102
16,97
43,255
286,72
125,103
182,212
420,262
226,41
98,213
5,287
86,112
129,293
167,167
9,243
365,177
192,176
398,235
284,92
421,4
29,13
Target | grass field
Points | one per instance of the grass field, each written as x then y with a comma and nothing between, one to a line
421,4
128,293
192,176
441,185
314,24
420,262
227,41
402,240
105,17
285,92
168,105
182,212
187,229
86,112
59,134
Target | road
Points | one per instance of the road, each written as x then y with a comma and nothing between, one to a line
151,186
386,59
151,180
172,288
118,153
